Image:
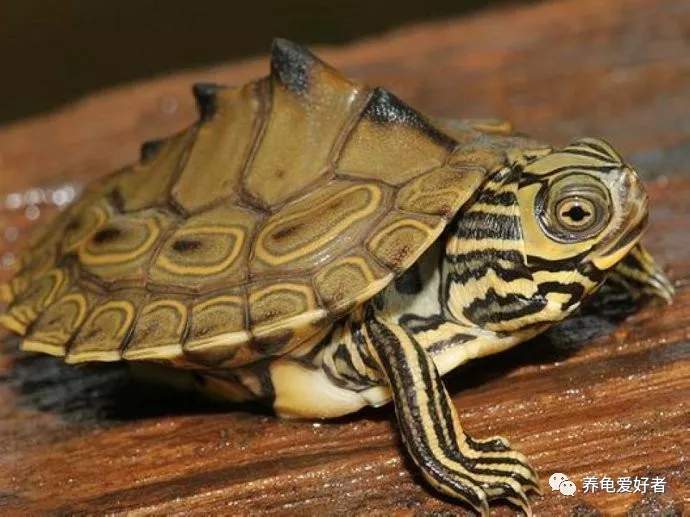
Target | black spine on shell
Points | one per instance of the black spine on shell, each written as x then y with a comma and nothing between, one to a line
206,99
291,65
150,148
384,108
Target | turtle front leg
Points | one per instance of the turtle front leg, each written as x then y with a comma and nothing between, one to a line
473,471
638,274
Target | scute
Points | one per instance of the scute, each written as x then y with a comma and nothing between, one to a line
39,294
159,330
310,102
291,201
56,326
350,280
400,239
393,143
147,184
325,223
214,167
206,251
436,193
102,335
119,251
218,329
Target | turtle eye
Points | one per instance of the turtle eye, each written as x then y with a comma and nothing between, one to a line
576,213
574,209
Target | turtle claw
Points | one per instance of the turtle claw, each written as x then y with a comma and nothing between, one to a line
536,488
523,504
483,508
503,473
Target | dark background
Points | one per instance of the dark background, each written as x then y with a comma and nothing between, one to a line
53,51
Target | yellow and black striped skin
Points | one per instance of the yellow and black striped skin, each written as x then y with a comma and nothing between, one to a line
497,283
265,264
640,276
475,471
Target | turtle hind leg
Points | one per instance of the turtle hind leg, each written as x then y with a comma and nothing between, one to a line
474,471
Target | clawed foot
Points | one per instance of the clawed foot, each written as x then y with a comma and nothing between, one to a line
490,470
470,470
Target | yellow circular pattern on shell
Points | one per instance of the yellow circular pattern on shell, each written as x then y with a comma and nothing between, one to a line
208,333
90,259
71,310
165,263
357,262
218,300
303,296
79,300
272,258
123,307
357,281
175,305
95,216
378,241
38,295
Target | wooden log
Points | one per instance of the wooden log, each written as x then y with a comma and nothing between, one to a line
597,396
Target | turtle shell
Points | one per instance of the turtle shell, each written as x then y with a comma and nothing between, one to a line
292,200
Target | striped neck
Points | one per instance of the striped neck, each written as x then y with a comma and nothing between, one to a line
491,281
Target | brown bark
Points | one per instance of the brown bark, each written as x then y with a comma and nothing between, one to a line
594,397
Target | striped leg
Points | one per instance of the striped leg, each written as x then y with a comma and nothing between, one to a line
639,275
474,471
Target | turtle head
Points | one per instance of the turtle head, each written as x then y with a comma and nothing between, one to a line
581,205
584,208
542,236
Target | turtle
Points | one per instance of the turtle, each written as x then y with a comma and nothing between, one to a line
319,245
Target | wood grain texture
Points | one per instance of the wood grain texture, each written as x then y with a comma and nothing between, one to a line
598,395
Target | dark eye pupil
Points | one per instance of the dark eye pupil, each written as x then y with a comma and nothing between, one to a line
576,213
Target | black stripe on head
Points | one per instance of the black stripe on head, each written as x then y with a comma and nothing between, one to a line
495,308
479,225
509,265
589,154
494,254
463,273
575,263
574,289
599,146
588,270
502,198
528,179
567,264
